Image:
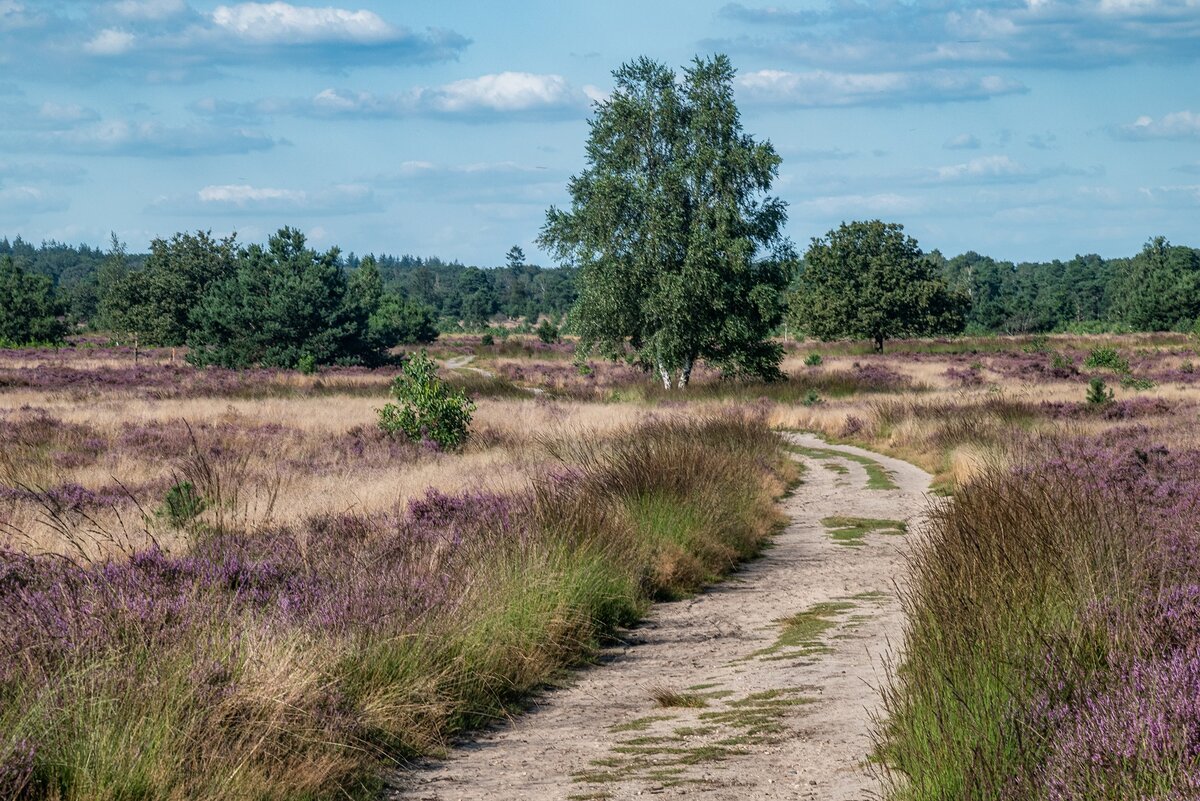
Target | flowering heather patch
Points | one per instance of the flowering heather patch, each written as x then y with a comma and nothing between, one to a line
294,661
1056,630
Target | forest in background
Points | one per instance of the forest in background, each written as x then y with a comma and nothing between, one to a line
1156,289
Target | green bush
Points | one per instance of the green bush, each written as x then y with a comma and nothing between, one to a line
181,505
813,360
1132,382
547,332
1107,358
487,340
307,364
428,408
1098,392
1038,344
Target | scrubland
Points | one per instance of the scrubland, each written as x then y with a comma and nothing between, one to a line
228,585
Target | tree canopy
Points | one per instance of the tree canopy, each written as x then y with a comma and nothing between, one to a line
29,312
868,280
283,303
681,249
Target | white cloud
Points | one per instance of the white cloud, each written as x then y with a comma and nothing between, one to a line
487,96
823,88
247,198
1176,125
505,91
110,42
129,138
31,200
149,9
963,141
984,167
283,23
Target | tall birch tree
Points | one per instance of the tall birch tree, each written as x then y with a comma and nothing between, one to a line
681,247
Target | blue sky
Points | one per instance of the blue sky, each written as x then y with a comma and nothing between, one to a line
1027,130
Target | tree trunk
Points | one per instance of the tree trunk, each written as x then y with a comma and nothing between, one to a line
878,344
664,374
685,374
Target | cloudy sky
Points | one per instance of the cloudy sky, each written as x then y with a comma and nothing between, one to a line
1030,129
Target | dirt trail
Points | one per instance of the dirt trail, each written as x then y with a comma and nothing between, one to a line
786,706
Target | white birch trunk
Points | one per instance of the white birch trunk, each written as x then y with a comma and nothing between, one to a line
664,374
685,374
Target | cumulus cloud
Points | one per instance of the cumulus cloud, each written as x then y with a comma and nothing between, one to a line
151,139
110,42
823,88
169,40
984,167
501,95
1066,34
250,199
283,23
149,9
964,141
1176,125
31,200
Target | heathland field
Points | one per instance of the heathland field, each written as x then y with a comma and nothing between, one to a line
221,584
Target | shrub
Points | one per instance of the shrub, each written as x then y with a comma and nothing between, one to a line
1039,344
487,340
181,505
1187,367
1132,382
813,360
429,409
547,332
1106,358
812,398
307,364
1098,392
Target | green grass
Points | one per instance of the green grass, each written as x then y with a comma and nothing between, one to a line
802,632
852,531
878,478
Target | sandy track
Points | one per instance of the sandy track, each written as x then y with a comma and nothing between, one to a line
787,709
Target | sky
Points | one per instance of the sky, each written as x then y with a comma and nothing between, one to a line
1021,129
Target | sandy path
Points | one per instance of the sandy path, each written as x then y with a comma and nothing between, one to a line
787,709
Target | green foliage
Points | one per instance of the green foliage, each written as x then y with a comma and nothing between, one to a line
867,280
1098,393
813,360
1105,357
307,364
1159,289
812,398
487,340
428,408
181,505
682,253
28,309
397,321
1038,344
1135,383
156,303
547,332
282,302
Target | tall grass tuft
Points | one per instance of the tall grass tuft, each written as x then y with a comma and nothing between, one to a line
1052,638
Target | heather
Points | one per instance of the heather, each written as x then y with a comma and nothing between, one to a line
296,661
1053,646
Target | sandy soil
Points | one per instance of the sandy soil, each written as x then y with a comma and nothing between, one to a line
786,709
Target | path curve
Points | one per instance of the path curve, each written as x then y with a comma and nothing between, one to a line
786,707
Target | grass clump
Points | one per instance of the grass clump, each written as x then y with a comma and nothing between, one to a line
1047,654
668,698
852,531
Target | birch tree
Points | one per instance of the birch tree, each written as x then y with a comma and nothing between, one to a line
680,245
